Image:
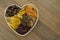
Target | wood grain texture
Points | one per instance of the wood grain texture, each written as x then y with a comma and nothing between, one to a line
48,26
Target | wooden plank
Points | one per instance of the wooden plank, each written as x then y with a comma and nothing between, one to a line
48,26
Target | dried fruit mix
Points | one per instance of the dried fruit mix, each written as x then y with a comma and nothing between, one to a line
21,20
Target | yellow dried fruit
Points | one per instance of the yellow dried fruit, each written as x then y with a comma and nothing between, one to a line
8,19
14,22
20,13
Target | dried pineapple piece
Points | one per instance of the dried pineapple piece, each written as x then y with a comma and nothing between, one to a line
8,19
20,13
14,22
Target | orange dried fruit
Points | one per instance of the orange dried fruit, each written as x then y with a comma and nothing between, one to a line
30,11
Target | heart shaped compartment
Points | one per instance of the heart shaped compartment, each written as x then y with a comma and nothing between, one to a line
21,19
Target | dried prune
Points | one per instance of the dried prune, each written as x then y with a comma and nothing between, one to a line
12,10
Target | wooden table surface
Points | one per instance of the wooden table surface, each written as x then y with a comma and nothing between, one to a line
48,26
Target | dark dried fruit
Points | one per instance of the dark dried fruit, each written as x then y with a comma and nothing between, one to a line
26,18
23,29
12,10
